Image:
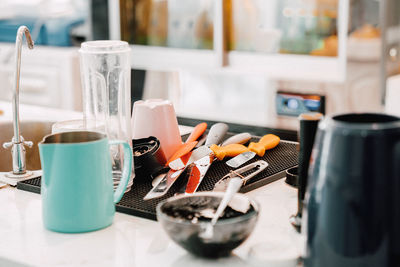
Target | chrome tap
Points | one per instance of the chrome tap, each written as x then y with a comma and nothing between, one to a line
18,143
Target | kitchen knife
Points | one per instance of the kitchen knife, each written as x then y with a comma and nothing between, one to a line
190,142
268,141
169,179
216,134
230,150
200,167
203,162
198,170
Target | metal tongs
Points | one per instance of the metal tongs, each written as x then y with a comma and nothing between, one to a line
251,170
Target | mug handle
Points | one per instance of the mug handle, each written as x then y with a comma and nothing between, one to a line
127,170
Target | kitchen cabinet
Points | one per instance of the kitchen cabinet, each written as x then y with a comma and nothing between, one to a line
290,39
332,48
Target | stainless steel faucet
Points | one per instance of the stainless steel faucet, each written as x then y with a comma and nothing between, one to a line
18,143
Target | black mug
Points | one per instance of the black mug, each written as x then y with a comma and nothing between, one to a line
352,206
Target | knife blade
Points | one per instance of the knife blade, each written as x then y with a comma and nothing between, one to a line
196,154
199,168
240,159
165,183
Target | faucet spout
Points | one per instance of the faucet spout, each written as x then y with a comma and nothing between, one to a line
18,143
18,48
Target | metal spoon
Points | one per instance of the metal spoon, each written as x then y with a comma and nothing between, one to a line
234,185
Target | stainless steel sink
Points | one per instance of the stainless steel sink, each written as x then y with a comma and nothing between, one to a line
31,131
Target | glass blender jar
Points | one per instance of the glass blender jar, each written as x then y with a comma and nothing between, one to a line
106,82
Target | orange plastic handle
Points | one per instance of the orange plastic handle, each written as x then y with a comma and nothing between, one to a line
231,150
197,132
190,142
266,142
183,150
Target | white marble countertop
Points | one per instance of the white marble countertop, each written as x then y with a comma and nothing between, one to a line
129,241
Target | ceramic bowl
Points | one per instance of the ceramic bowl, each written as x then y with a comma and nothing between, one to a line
229,233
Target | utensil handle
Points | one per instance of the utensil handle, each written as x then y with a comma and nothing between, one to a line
127,170
266,142
233,187
190,143
241,138
231,150
216,134
197,132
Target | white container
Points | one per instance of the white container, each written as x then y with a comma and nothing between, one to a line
156,117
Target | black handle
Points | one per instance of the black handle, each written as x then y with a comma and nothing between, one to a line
308,129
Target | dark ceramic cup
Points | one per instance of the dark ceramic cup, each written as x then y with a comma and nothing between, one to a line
353,198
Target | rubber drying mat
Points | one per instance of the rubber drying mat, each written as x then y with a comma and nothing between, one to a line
283,157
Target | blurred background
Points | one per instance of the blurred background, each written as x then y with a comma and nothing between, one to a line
250,62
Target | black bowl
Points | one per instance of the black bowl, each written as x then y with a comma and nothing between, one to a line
229,233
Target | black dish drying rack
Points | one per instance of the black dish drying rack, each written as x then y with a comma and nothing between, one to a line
281,158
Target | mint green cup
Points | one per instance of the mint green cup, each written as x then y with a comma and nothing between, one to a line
77,186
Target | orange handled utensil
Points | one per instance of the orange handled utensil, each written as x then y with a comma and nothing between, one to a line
190,142
197,132
266,142
231,150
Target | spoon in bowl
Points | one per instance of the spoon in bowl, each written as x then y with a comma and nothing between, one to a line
234,185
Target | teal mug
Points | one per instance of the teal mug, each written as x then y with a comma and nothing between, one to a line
77,185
